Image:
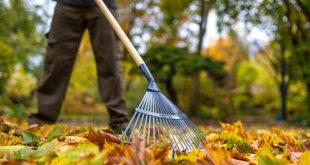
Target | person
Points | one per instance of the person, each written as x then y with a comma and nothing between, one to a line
71,18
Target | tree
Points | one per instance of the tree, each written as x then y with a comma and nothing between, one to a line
167,62
293,38
278,63
167,33
204,8
20,37
232,51
285,21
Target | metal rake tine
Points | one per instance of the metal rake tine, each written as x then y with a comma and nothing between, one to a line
163,104
144,107
165,107
170,104
146,101
141,106
181,136
167,128
141,121
144,128
153,109
154,132
143,100
191,127
188,133
160,107
174,134
172,138
158,129
134,127
149,108
163,128
149,131
148,134
131,120
193,134
195,129
153,103
158,110
173,107
197,132
155,118
178,134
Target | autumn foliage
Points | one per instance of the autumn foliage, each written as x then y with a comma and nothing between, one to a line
60,144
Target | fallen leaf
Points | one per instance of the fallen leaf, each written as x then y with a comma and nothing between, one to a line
239,162
101,137
295,156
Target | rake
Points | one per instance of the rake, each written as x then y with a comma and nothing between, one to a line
156,119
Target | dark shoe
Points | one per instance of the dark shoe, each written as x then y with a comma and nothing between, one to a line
36,119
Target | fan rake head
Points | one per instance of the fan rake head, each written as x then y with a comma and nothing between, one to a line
157,120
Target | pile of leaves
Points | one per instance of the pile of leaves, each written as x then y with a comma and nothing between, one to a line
60,144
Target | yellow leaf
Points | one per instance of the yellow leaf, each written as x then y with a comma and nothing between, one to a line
305,158
60,161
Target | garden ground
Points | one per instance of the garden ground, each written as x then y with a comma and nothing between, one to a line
90,142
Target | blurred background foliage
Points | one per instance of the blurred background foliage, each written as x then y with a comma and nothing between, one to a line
215,81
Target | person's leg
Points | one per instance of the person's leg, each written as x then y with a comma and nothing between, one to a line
63,42
106,50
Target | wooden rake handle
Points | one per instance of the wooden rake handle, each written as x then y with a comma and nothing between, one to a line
120,33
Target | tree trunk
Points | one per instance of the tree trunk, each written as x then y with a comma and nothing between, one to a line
194,99
283,115
204,12
308,98
171,91
283,85
195,94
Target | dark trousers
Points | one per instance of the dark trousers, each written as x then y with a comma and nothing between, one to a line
68,25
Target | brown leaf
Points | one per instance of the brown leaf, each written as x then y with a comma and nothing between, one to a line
254,145
240,156
136,153
33,127
11,160
101,137
287,140
306,145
